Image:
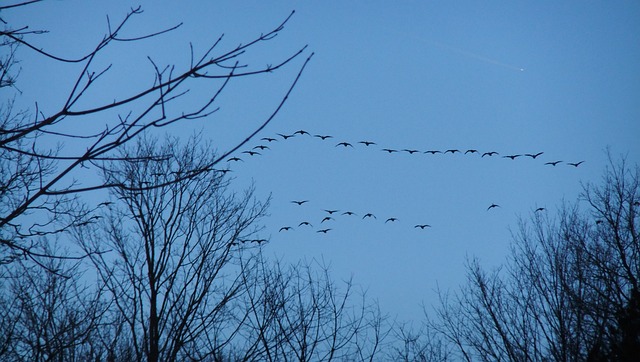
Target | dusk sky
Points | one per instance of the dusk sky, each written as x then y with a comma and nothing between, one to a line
514,77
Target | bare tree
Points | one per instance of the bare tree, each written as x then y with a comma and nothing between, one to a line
170,272
39,183
569,291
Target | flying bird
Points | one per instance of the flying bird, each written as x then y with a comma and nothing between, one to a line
324,231
490,153
433,152
349,213
540,209
285,228
252,153
305,223
299,202
345,144
492,206
331,212
286,136
392,219
322,137
268,139
367,143
513,157
262,147
452,151
301,132
327,218
553,163
533,155
422,226
258,241
236,159
470,151
411,152
389,150
369,215
575,164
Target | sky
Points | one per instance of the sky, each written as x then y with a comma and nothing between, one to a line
514,77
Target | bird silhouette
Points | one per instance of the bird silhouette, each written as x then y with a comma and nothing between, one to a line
322,137
422,226
301,132
349,213
389,150
327,218
324,231
411,152
331,212
285,228
369,215
533,155
513,157
452,151
470,151
262,147
236,159
286,136
305,223
299,202
268,139
433,152
258,241
252,153
490,153
345,144
367,143
540,209
392,219
553,163
492,206
575,164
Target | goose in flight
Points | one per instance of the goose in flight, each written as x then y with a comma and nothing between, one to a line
262,147
540,209
575,164
285,228
490,153
345,144
411,152
302,132
433,152
513,157
534,155
452,151
305,223
327,218
470,151
422,226
392,219
331,212
252,153
324,231
492,206
389,150
553,163
268,139
369,215
299,202
286,136
322,137
367,143
236,159
349,213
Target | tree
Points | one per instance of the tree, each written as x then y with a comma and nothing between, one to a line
174,247
570,289
39,184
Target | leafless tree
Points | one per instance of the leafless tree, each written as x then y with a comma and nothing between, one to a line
166,254
569,291
39,183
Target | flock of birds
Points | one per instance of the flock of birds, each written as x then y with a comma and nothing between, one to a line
331,214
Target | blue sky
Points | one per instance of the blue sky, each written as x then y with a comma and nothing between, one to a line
415,75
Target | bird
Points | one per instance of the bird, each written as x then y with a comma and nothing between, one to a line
322,137
262,147
433,152
301,132
286,136
470,151
331,212
513,157
492,206
533,155
285,228
575,164
422,226
299,202
327,218
258,241
349,213
540,209
268,139
369,215
490,153
236,159
553,163
324,231
305,223
389,150
411,152
392,219
367,143
345,144
452,151
252,153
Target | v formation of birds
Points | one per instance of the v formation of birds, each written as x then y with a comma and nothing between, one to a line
321,226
